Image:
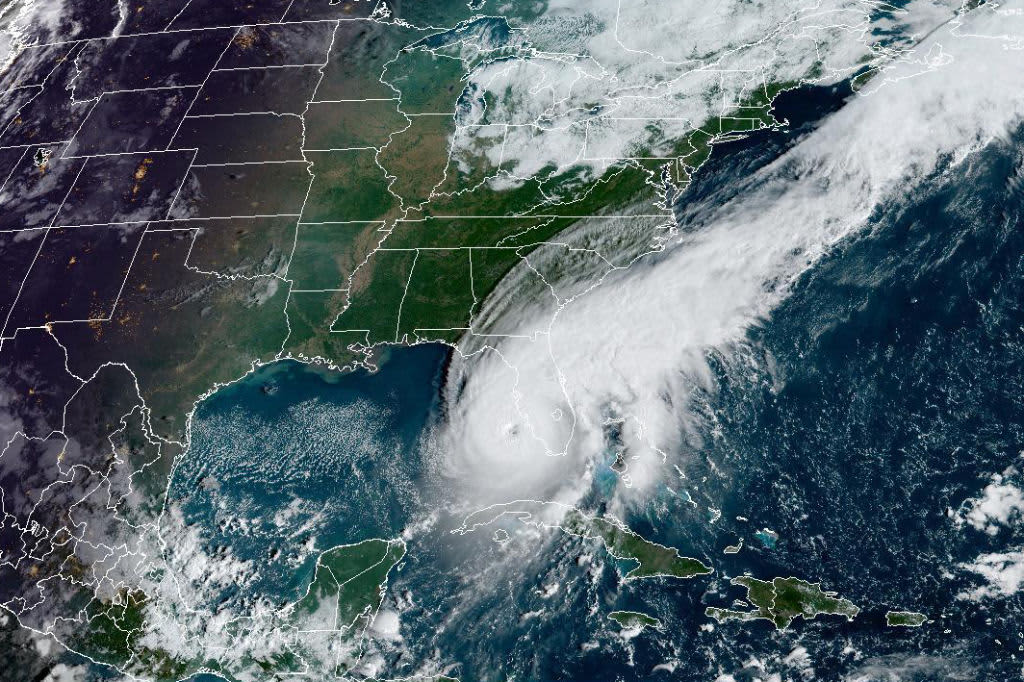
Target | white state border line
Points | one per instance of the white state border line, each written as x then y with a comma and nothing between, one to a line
178,14
33,144
128,271
141,152
195,154
95,106
321,66
232,114
66,143
231,164
184,179
318,291
168,30
42,85
287,10
517,216
268,67
227,27
14,167
528,245
260,216
342,101
306,150
230,41
42,242
158,221
172,198
188,5
244,69
224,164
267,216
382,223
310,169
152,88
117,299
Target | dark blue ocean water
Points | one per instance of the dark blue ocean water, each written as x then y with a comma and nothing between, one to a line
881,395
294,459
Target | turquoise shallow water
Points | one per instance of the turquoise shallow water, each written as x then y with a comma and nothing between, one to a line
879,399
294,459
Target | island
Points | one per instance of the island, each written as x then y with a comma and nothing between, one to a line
652,560
782,600
634,619
905,619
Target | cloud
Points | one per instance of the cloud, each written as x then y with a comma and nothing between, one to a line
999,503
66,673
1004,572
611,369
608,80
897,667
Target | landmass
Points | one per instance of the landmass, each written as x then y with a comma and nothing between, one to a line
634,619
339,604
621,542
782,600
347,584
905,619
377,195
652,560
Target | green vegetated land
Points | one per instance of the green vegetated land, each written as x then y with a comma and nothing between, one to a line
204,301
396,241
345,592
905,619
469,239
752,114
113,632
652,559
634,619
782,600
347,584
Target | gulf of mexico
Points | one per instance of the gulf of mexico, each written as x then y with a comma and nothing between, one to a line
294,459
